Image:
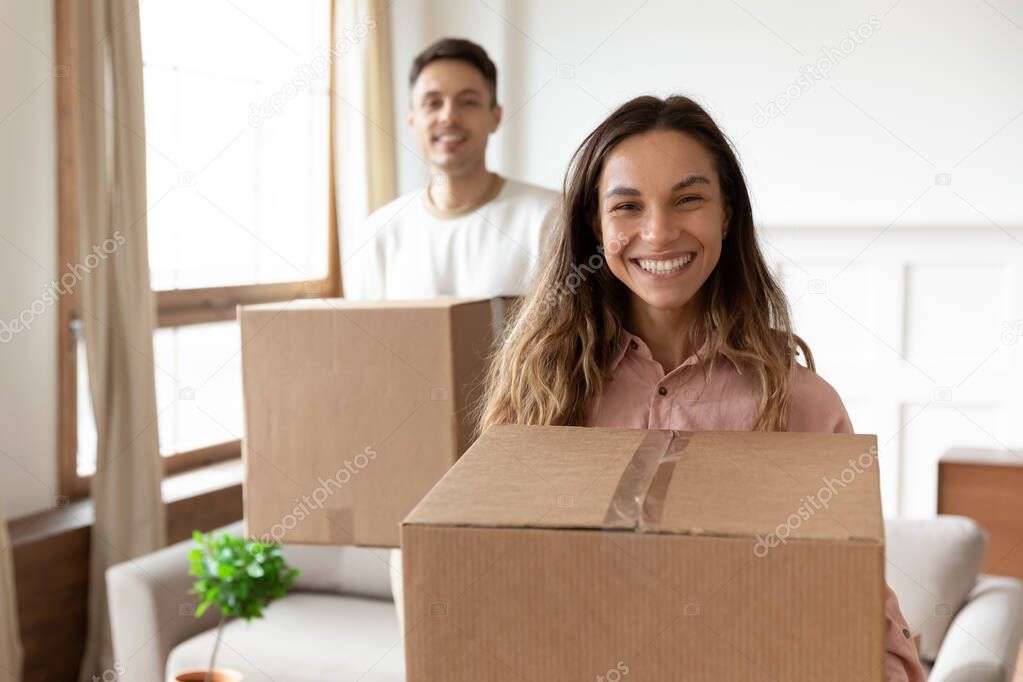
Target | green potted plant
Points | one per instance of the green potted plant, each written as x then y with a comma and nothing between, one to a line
241,578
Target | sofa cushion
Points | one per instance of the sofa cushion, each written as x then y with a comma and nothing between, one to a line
932,564
353,571
357,571
305,637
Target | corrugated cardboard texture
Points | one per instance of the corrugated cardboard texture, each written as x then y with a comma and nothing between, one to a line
509,573
503,605
353,411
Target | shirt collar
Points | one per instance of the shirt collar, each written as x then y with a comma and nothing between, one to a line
496,185
630,343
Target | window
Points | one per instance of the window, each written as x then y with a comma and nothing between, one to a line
240,208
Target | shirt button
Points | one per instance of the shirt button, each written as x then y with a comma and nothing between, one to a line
633,345
662,390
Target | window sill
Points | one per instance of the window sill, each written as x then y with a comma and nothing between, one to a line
190,488
202,481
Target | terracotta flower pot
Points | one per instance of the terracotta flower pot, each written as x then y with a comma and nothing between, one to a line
219,675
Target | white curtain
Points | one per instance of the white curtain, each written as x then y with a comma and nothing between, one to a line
10,639
116,302
364,135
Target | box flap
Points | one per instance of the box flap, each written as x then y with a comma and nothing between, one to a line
794,485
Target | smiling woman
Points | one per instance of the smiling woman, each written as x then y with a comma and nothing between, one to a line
658,178
686,329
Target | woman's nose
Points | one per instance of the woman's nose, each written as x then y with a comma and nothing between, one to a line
660,228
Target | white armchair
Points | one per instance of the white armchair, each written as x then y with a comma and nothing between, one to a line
970,625
337,623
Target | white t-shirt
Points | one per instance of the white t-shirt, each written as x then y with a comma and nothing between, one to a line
409,249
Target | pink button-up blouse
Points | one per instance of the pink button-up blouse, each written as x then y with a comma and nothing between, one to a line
640,395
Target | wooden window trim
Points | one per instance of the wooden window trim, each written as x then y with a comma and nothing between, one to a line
179,307
205,456
70,484
174,308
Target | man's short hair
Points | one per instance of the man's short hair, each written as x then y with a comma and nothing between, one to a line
462,50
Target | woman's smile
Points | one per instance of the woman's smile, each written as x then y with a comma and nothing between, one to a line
664,266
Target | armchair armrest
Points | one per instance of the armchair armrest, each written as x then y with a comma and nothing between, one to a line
151,610
984,638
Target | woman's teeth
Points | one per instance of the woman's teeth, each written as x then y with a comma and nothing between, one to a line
665,267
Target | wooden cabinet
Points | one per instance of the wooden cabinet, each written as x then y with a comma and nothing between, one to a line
987,485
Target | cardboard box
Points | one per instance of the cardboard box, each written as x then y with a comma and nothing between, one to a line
560,553
354,410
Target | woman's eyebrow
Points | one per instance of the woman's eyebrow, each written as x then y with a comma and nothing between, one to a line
690,181
618,190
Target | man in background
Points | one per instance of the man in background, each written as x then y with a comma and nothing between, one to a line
470,232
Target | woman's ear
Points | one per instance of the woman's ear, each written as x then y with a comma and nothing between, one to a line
726,223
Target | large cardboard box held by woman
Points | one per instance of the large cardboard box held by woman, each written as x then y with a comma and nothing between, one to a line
564,553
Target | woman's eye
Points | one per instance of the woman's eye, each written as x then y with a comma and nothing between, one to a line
689,200
470,103
625,207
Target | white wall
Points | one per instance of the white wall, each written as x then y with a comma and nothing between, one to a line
921,333
28,361
889,192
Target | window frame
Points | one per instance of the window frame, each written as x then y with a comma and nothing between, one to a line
175,308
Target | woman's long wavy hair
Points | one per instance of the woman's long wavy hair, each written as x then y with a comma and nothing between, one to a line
554,359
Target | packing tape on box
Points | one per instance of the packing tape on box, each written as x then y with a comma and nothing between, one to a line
638,500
